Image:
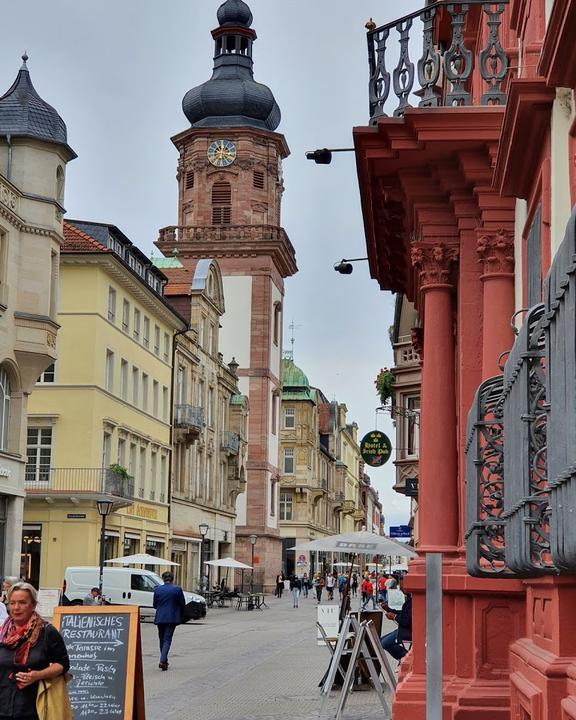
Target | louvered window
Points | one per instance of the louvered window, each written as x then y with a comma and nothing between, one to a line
221,202
259,179
189,180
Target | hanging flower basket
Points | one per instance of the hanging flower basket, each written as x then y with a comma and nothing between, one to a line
384,384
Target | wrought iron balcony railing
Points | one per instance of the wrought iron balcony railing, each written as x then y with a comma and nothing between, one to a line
442,75
230,443
78,481
189,417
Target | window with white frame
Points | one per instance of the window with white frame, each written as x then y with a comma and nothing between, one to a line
106,449
125,316
144,392
146,333
49,375
289,418
109,371
153,470
135,386
136,328
210,407
411,424
111,304
156,340
39,454
124,379
197,474
142,470
286,506
288,461
122,452
164,402
208,486
163,476
155,391
166,347
5,400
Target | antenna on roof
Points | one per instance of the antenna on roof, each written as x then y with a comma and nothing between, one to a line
292,327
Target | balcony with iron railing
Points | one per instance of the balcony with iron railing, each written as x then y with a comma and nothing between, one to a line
73,482
230,443
188,420
430,57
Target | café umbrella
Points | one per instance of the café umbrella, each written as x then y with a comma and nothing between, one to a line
361,542
141,559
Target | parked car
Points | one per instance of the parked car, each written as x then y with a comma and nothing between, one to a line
124,586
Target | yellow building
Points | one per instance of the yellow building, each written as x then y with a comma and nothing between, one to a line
320,465
100,419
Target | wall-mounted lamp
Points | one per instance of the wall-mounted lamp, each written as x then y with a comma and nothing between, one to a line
323,156
344,267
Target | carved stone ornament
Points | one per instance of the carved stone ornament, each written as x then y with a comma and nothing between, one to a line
496,251
245,164
417,339
434,262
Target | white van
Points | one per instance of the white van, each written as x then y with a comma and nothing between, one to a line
124,586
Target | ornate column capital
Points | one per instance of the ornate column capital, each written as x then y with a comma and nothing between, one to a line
434,263
496,251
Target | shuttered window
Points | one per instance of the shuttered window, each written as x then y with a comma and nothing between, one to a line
221,203
189,180
259,179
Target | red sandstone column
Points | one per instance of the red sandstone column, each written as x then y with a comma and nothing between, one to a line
438,491
496,253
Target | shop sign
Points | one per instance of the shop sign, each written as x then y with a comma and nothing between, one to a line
142,511
76,516
400,531
375,448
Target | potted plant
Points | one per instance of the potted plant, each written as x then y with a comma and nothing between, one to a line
384,384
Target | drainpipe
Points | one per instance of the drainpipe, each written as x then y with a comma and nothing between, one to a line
9,168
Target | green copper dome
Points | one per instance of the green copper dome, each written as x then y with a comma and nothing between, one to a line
295,384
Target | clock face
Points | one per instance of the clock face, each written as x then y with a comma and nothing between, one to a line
222,153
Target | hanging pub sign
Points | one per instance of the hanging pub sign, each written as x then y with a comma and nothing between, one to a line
375,448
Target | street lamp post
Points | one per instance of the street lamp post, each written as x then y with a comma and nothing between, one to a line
253,539
104,507
203,527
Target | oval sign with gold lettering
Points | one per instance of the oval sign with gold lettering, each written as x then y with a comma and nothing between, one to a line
375,448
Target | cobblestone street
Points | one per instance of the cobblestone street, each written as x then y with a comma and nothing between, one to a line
240,665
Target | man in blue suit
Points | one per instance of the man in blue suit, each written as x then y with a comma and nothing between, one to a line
169,603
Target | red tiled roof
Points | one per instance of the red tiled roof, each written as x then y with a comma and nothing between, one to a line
76,241
180,279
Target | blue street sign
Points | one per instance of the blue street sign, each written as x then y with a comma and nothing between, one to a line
400,531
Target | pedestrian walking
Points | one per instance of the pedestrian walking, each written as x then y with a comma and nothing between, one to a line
330,586
295,587
279,585
169,603
354,585
305,585
382,588
319,586
341,583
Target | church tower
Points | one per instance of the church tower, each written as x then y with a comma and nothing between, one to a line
230,190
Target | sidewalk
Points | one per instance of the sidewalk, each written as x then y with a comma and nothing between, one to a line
246,665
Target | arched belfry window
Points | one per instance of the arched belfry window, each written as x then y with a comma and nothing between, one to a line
221,203
5,396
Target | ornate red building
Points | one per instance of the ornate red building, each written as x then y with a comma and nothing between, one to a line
467,180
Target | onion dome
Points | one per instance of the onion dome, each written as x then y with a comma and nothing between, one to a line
234,12
232,98
23,113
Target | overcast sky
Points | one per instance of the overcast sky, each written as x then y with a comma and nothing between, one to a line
116,71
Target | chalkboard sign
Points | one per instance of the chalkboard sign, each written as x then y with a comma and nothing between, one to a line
105,661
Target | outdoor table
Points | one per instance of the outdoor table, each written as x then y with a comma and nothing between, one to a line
256,599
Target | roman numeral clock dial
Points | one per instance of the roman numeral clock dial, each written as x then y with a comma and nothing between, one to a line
222,153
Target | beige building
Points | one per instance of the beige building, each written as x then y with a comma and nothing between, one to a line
210,425
406,403
33,155
320,469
